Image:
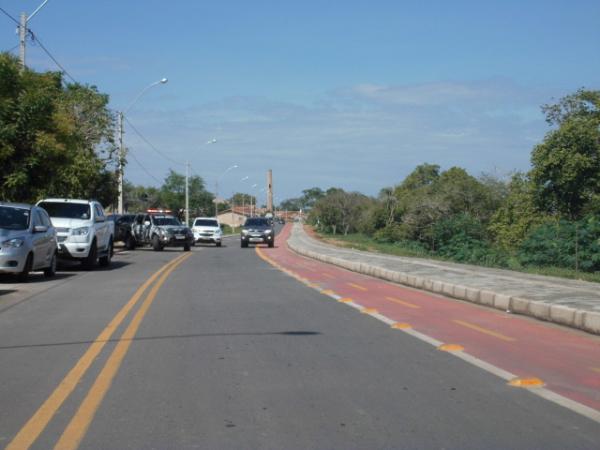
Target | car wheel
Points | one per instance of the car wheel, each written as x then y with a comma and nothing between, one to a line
218,244
23,276
271,244
92,258
156,243
244,244
186,248
105,260
50,271
129,242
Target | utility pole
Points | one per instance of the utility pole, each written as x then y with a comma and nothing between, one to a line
121,164
22,36
187,194
217,197
270,191
23,33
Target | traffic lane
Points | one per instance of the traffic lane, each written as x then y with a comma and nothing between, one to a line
235,354
42,337
564,359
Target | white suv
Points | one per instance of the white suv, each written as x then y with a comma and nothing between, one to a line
82,230
207,229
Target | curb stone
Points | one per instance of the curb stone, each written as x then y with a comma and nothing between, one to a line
564,315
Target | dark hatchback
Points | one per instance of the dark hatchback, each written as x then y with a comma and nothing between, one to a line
257,230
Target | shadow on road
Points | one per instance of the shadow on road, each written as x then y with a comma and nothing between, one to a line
74,266
169,337
34,277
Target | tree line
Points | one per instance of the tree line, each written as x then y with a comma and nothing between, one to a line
57,140
548,216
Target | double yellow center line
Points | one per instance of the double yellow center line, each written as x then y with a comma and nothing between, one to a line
79,424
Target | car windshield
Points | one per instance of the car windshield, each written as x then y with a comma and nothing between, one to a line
67,210
206,223
257,222
12,218
166,220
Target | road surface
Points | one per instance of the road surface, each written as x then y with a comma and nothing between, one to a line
243,348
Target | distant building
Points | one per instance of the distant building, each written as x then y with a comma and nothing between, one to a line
231,218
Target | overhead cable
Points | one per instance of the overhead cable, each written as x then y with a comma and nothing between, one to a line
64,71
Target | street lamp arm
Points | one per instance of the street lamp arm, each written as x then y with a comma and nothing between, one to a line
161,81
37,10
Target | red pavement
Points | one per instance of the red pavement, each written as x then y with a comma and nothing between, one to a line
567,361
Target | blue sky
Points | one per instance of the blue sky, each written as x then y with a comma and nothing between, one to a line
351,94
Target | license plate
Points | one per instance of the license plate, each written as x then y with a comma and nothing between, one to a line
256,240
179,236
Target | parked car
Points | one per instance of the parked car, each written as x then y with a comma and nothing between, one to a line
83,233
207,229
27,240
160,231
257,230
123,224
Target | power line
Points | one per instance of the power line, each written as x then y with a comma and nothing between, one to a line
153,147
9,16
143,168
35,38
143,138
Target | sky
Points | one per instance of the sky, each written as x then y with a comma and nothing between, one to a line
350,94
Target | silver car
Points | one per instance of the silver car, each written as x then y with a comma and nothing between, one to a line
27,240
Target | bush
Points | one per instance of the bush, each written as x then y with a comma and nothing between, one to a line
568,244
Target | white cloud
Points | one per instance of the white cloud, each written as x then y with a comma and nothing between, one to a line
362,138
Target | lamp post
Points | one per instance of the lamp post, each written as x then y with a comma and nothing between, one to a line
244,196
187,186
252,201
121,148
235,166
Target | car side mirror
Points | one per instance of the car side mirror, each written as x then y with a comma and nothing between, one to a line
40,229
100,219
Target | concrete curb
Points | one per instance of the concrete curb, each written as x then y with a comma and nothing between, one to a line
564,315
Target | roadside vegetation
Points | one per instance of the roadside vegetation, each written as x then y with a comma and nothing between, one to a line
544,221
57,139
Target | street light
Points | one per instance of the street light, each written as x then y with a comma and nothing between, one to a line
187,187
252,201
244,196
121,149
235,166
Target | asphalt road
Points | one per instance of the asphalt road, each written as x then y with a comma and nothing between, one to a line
223,350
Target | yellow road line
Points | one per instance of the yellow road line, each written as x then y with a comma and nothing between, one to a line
402,302
485,331
40,419
357,286
79,424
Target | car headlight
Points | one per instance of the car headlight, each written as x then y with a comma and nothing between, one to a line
244,231
268,231
83,231
13,243
217,232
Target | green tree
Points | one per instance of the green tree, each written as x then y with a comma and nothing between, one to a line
566,166
172,195
516,215
54,140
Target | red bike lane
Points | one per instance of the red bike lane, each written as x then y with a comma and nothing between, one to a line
566,361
